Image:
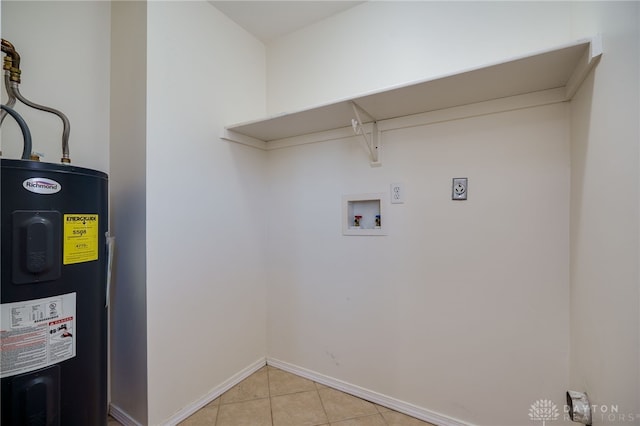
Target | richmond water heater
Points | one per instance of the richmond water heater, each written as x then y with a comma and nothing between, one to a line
53,291
53,297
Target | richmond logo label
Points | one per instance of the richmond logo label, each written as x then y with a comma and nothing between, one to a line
41,185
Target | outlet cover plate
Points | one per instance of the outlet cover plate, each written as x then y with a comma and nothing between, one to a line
459,189
397,193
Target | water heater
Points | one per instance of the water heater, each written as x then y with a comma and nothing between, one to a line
53,291
53,294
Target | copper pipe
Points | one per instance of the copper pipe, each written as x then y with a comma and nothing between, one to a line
10,51
8,48
7,63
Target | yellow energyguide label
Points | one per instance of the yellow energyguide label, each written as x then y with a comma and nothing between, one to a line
80,238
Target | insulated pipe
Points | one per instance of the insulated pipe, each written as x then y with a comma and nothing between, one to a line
11,101
26,134
65,121
10,51
12,63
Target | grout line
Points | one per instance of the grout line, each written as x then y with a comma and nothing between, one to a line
245,400
384,420
219,408
217,413
293,393
364,416
315,384
317,390
269,393
401,407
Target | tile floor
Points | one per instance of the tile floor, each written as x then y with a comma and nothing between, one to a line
273,397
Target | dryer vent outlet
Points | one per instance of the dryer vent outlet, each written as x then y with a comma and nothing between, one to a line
579,407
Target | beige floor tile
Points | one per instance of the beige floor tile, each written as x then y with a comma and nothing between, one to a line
381,408
206,416
298,409
282,382
253,387
246,413
342,406
112,422
295,401
375,420
393,418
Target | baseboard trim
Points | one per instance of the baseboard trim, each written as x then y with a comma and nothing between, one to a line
375,397
216,392
369,395
121,416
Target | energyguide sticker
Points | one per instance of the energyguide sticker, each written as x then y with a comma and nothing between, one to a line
80,238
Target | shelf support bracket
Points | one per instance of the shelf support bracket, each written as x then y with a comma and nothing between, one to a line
372,143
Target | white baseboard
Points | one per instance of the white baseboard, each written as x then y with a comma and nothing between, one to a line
375,397
214,393
369,395
121,416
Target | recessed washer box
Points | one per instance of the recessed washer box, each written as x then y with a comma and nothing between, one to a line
364,214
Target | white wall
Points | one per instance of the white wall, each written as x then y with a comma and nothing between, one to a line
128,313
462,308
369,303
384,43
206,301
63,71
605,349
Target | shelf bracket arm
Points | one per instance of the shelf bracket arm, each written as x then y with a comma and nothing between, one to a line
372,143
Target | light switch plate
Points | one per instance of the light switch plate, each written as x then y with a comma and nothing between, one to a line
459,189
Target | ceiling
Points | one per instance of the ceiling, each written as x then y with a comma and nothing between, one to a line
268,20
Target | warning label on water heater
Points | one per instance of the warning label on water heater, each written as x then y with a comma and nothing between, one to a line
80,238
36,333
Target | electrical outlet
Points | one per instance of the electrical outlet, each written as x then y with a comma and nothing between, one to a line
459,189
397,193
